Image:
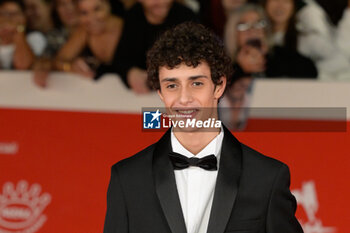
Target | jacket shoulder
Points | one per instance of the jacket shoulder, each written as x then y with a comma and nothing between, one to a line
135,161
253,157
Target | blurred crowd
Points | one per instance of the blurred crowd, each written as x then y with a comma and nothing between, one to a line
264,38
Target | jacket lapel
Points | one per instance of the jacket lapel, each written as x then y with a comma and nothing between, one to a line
165,184
226,183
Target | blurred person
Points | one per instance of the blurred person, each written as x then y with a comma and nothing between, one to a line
282,18
39,21
15,51
325,42
93,42
65,19
144,22
246,39
216,12
38,13
234,106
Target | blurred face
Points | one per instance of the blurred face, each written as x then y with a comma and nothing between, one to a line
279,11
250,28
67,12
93,15
186,90
11,16
38,14
230,5
158,9
11,13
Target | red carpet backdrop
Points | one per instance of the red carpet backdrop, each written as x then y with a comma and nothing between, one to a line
55,155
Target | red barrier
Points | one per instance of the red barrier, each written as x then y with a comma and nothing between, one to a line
69,155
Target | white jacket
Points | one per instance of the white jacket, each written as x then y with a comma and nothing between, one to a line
328,46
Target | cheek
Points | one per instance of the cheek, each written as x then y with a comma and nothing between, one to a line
241,38
289,10
260,33
205,98
270,9
61,12
83,19
22,20
168,98
101,15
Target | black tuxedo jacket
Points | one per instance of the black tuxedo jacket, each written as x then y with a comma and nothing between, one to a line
251,195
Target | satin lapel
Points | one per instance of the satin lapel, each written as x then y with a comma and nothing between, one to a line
165,184
226,183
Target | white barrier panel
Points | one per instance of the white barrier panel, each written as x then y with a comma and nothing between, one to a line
72,92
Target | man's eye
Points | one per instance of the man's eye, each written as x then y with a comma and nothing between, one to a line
197,84
171,86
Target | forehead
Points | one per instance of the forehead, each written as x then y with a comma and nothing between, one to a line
280,1
88,3
11,6
249,16
184,71
34,2
63,1
150,2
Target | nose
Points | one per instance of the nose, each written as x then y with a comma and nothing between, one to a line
185,96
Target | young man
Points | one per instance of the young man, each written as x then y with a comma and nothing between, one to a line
197,180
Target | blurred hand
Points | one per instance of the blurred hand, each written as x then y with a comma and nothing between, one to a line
41,68
40,78
137,80
251,59
79,66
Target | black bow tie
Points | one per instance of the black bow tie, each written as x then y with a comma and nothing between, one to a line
181,162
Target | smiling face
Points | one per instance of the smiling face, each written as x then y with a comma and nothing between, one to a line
38,14
11,16
11,12
190,91
279,11
156,9
67,12
93,15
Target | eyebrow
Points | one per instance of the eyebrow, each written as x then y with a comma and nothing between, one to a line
173,79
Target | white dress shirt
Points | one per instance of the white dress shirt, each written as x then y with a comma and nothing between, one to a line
196,185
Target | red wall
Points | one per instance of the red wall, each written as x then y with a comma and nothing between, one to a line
69,154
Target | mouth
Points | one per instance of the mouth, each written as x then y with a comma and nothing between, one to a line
186,113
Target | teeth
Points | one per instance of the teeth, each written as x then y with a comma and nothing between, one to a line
186,111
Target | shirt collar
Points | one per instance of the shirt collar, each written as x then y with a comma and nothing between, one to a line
214,147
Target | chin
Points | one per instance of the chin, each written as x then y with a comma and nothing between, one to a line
94,31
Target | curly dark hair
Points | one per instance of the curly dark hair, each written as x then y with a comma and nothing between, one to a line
189,43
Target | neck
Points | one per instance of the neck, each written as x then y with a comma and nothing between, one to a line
280,27
194,142
153,19
47,27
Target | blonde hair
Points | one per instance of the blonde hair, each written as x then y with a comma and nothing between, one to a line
230,33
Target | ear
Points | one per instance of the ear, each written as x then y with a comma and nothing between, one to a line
220,88
160,95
